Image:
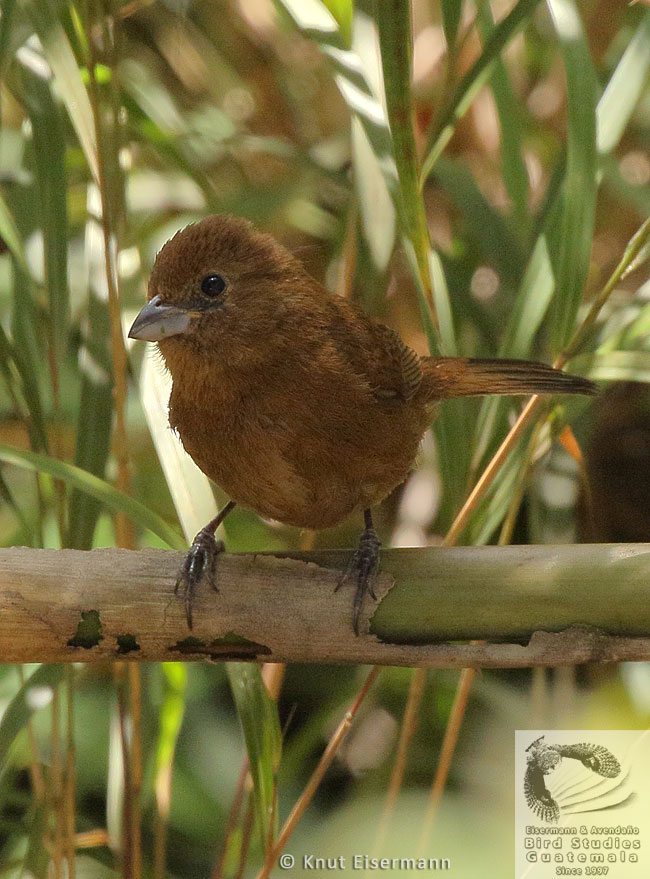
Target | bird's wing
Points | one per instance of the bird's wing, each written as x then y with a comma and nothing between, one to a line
537,794
374,352
399,372
595,757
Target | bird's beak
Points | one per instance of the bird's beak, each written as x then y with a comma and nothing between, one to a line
158,321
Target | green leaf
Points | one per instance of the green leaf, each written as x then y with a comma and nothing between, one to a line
258,715
570,246
170,716
375,203
96,399
14,31
92,449
107,495
472,83
9,499
342,11
49,160
614,366
452,430
69,84
27,700
393,19
6,24
515,174
487,226
28,354
526,316
530,305
495,505
316,22
10,234
624,88
451,15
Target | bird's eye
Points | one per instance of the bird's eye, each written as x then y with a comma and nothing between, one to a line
213,285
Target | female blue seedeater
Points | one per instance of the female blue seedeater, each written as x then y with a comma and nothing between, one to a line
291,399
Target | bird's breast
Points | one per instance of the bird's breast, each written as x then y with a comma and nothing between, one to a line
303,455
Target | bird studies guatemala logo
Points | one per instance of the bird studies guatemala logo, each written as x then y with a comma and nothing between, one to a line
582,803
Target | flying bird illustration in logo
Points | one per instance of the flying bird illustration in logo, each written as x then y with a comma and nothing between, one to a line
543,758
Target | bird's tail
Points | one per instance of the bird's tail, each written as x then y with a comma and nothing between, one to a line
445,377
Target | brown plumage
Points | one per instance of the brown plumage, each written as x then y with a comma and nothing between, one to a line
293,400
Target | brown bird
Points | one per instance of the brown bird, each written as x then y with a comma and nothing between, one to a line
292,400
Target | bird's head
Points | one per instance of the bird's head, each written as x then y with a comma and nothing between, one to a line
216,280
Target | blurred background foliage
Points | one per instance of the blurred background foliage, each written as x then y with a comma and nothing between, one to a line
471,172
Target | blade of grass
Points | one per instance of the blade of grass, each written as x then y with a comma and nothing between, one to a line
636,250
258,715
375,202
170,718
624,88
48,141
70,774
10,234
6,25
27,353
407,731
33,694
393,19
531,304
451,13
472,83
498,245
314,20
134,676
317,776
96,398
615,366
105,113
343,11
529,309
106,494
514,173
10,501
394,27
44,15
570,248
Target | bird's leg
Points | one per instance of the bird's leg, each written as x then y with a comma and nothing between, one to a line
363,568
200,562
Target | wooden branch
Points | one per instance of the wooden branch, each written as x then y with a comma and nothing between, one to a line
550,605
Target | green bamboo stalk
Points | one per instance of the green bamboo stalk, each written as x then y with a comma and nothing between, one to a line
500,593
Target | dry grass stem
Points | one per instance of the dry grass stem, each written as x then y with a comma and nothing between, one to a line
312,785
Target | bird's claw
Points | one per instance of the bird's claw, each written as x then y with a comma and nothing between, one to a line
200,564
362,568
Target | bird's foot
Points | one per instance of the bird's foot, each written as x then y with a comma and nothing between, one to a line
200,564
362,568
